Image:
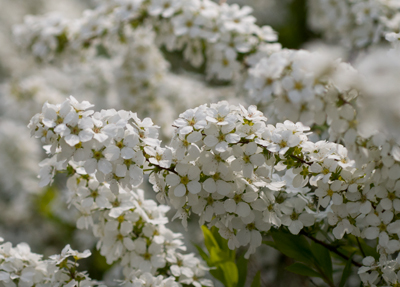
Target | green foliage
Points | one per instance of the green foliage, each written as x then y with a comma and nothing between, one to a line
364,249
43,200
257,280
62,42
225,267
323,258
242,269
314,259
346,271
293,246
302,269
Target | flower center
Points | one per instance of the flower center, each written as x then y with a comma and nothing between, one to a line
298,86
216,176
97,155
147,256
237,198
184,180
294,215
391,196
121,218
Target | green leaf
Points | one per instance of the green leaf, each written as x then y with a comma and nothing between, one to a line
368,250
217,256
218,274
209,239
257,280
102,51
346,250
202,253
223,244
242,269
346,271
293,246
217,237
270,243
230,272
323,258
302,269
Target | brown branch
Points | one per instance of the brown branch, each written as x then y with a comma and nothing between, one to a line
299,159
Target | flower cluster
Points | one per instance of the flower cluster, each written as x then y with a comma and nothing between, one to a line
300,86
224,164
244,176
20,267
140,74
382,272
356,24
132,230
105,153
225,34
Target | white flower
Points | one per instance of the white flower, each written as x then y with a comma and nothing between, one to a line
165,8
247,160
219,137
327,192
186,179
295,217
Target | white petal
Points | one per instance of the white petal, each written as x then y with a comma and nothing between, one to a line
111,153
129,244
230,205
194,172
127,153
337,199
194,137
257,159
295,227
105,166
180,190
90,165
223,187
172,179
85,135
371,232
242,209
221,147
194,187
185,130
210,141
72,140
232,138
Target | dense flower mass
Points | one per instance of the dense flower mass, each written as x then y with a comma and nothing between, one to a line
20,267
105,154
226,164
224,33
300,86
356,24
326,162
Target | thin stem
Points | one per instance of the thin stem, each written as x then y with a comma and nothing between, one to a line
299,159
331,248
146,156
359,246
324,276
313,283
